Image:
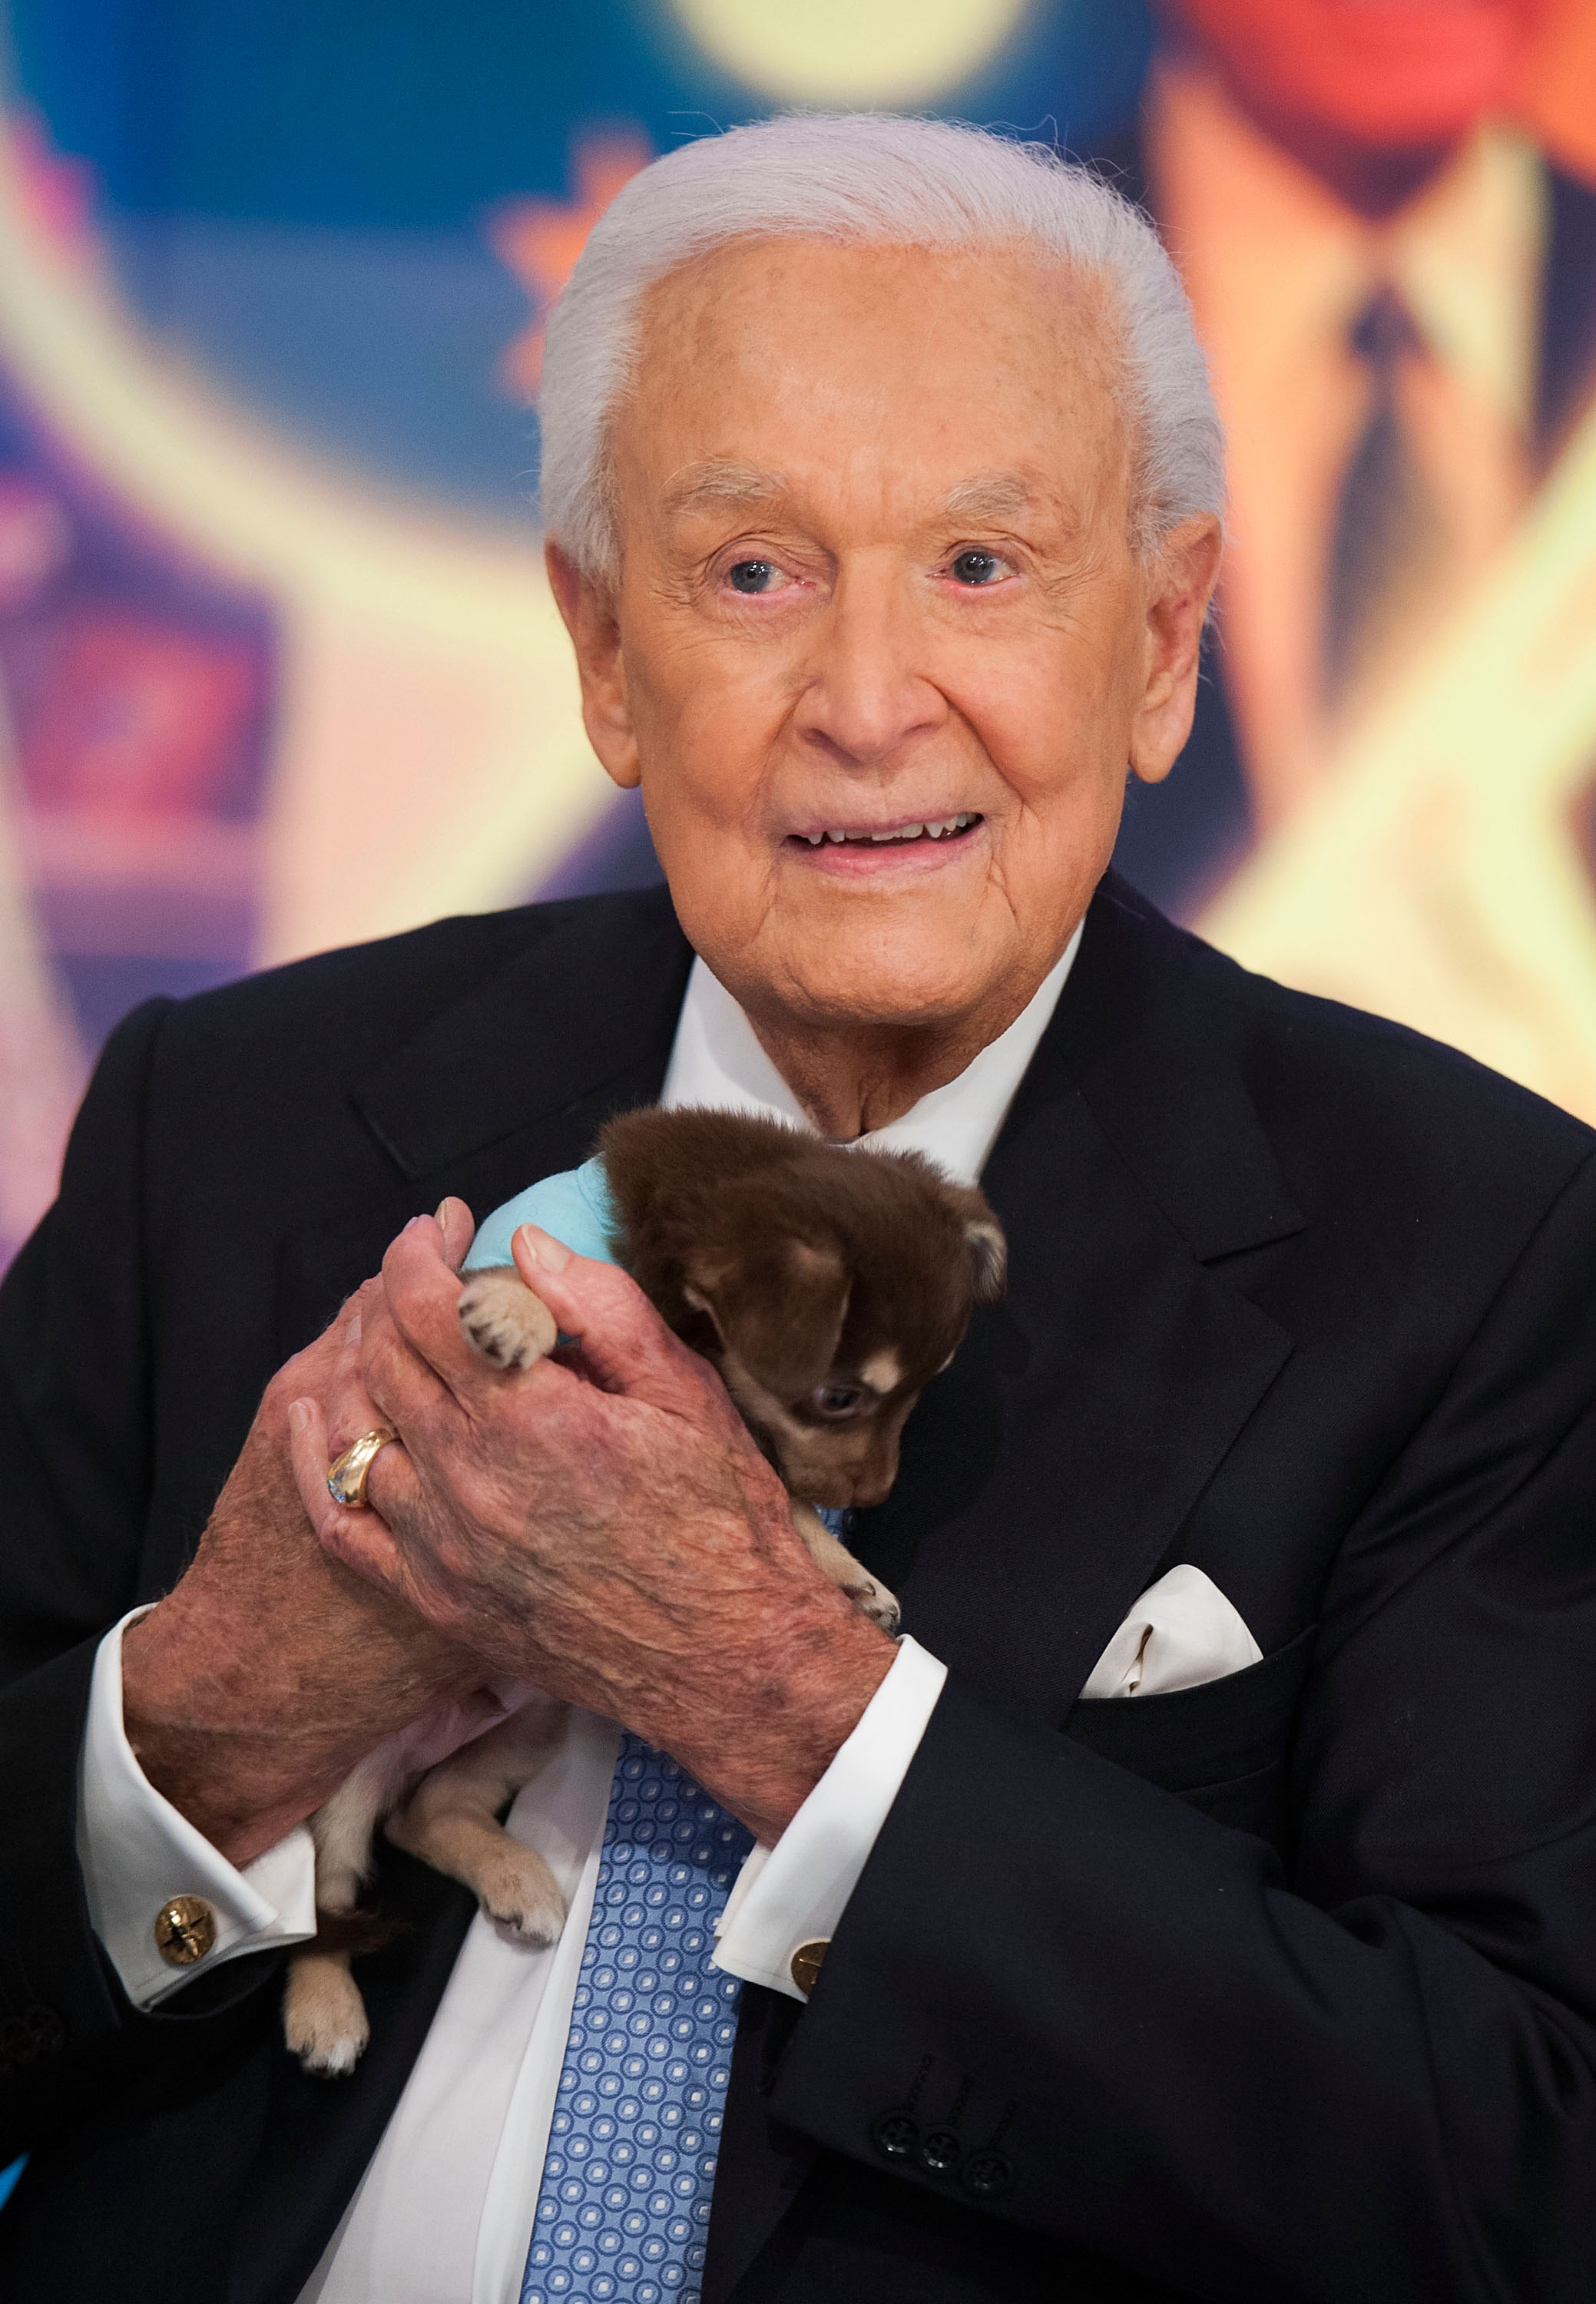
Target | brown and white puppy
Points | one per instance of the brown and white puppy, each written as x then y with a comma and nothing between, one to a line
828,1287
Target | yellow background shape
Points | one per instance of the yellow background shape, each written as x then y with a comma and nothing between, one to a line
1435,877
850,52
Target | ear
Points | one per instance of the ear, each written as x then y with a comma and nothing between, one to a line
984,1244
778,1309
588,609
988,1258
1183,572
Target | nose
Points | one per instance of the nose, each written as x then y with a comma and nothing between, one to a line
868,693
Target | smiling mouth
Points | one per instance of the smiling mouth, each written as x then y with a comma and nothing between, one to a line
944,828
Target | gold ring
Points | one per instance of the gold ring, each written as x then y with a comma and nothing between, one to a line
347,1474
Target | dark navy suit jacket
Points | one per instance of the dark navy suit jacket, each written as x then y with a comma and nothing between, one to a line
1280,1988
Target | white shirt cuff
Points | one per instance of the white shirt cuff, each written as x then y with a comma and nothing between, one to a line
137,1852
794,1894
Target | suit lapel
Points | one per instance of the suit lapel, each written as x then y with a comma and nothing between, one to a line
597,996
1047,1474
1100,1398
507,1085
1045,1477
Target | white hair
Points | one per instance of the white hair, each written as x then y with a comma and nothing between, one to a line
872,179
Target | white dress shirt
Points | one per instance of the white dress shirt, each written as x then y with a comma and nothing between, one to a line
443,2213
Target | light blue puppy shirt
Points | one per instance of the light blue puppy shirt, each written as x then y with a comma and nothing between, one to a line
576,1206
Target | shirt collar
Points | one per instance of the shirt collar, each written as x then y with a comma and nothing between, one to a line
717,1061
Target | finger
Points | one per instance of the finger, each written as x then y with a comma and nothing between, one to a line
421,1296
311,1454
404,1385
308,1446
366,1547
353,1308
348,1406
361,1539
625,1346
455,1221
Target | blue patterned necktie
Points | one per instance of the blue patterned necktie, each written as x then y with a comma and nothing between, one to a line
624,2202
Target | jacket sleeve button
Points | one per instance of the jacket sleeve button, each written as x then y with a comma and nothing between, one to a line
896,2134
939,2152
46,2030
988,2175
185,1929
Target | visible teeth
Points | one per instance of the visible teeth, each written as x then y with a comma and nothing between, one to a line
930,830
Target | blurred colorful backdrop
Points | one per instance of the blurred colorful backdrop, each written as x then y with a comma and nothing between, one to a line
278,667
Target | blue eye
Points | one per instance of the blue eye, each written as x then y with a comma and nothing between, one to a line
750,576
977,567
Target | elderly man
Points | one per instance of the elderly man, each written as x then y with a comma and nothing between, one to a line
1197,1902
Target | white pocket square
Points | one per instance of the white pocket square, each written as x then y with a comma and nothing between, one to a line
1182,1631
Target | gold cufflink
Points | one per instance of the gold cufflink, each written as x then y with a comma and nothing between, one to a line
185,1929
805,1963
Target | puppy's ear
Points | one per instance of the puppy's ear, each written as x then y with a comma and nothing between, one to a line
984,1244
988,1258
778,1308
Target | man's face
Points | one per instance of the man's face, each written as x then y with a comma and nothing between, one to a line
876,581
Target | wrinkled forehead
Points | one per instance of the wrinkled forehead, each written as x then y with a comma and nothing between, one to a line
773,362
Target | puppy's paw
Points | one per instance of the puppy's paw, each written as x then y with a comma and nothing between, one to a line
324,2016
504,1320
517,1888
874,1600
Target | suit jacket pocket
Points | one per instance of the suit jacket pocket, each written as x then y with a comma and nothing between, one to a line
1222,1746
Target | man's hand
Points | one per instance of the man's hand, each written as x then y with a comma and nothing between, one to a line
253,1688
606,1527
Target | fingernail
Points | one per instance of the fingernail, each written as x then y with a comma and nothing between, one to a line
299,1415
442,1205
550,1254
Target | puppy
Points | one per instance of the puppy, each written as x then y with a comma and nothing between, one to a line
828,1287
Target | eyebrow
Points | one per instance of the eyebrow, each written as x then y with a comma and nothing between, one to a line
721,480
991,495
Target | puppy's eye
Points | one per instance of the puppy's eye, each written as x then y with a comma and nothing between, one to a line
834,1401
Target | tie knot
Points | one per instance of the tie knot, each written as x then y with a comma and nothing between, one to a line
1384,331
